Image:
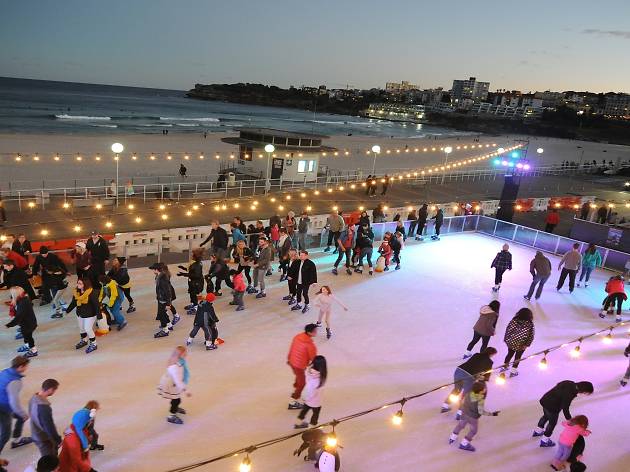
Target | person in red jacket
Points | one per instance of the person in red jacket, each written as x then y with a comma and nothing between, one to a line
301,353
74,456
615,288
18,259
239,289
553,218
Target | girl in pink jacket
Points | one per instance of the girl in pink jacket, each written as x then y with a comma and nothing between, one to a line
573,428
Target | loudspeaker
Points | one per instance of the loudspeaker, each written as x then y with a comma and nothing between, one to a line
509,194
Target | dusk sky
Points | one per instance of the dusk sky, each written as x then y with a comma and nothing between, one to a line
534,45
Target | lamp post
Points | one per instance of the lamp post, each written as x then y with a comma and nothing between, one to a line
376,149
117,148
540,151
447,151
269,148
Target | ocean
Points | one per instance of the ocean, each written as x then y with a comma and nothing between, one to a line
39,106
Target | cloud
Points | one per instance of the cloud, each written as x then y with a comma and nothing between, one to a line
613,33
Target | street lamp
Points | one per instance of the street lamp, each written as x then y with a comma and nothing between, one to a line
117,148
500,150
447,151
269,148
376,149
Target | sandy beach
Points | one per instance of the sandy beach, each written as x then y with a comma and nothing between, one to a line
47,172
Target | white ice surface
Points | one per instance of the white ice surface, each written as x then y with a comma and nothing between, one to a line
405,332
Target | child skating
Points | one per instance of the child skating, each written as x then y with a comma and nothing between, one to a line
164,294
324,300
615,288
238,290
473,408
316,375
206,320
194,273
174,384
573,428
385,250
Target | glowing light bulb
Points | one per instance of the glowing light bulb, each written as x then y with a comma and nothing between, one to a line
397,419
77,228
131,206
341,188
152,157
453,398
195,207
66,205
44,232
543,365
353,186
329,190
608,338
500,379
316,192
335,208
138,219
236,205
331,440
303,195
575,352
162,207
273,199
361,208
246,465
224,207
217,207
108,224
288,197
164,217
280,207
309,208
31,204
189,213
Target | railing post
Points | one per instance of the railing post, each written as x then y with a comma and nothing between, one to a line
161,195
20,200
535,238
240,189
514,233
144,193
43,202
179,191
494,232
555,251
605,257
159,251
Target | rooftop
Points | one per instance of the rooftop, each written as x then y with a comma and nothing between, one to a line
282,133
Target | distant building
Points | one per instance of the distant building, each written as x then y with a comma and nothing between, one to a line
469,89
550,99
507,112
515,99
617,105
296,157
396,112
402,87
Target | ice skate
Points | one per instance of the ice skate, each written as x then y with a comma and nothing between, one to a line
232,303
189,342
458,415
602,314
578,284
91,348
586,285
261,295
191,312
97,447
175,419
547,443
122,325
371,272
181,411
81,344
287,297
397,267
334,271
537,432
23,348
514,373
189,306
160,334
218,293
251,289
445,409
57,315
327,249
467,355
318,324
527,298
19,335
292,301
295,405
348,271
623,382
240,308
386,269
467,447
296,307
176,319
301,425
305,309
211,347
618,319
21,442
283,278
131,309
30,353
328,333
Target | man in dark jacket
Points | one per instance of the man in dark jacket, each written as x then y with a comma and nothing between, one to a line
219,238
164,294
10,406
557,400
43,429
53,272
307,275
99,253
540,268
423,214
439,219
22,246
14,277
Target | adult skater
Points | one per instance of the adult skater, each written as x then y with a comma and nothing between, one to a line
571,261
83,262
22,245
85,300
439,220
219,238
591,260
501,262
519,335
324,301
292,276
43,429
24,317
98,248
194,274
423,214
164,295
365,246
120,275
413,218
220,272
540,268
615,290
244,257
345,244
307,276
174,384
16,277
335,223
485,327
315,380
552,220
465,375
557,400
10,406
261,265
284,245
53,272
303,226
301,354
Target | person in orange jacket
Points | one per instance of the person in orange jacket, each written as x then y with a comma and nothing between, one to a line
239,289
615,288
301,353
553,218
75,447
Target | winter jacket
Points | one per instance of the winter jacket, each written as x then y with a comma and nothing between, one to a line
439,218
365,238
10,387
559,398
540,265
592,260
110,294
423,214
570,433
172,384
289,224
275,233
22,248
502,261
303,225
312,392
395,244
238,282
237,235
309,272
194,273
474,405
244,257
364,220
385,249
615,285
487,321
294,269
219,238
347,238
99,250
49,265
205,315
19,261
553,218
43,427
163,289
16,278
90,309
72,457
24,315
82,261
275,220
264,258
336,223
571,260
477,364
519,334
219,269
302,351
120,276
283,247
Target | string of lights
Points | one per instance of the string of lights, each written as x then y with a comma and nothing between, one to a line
186,156
397,418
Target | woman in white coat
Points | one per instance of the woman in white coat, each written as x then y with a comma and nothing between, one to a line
174,384
315,379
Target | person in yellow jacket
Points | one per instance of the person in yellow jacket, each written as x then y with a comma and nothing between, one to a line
111,298
119,273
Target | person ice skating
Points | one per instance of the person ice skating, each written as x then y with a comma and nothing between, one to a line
98,248
111,298
289,223
519,335
336,224
301,354
364,219
220,272
206,320
174,383
473,408
439,220
20,261
22,245
23,316
573,428
83,262
591,260
557,400
53,272
237,234
15,277
465,375
244,257
365,245
501,262
10,405
307,276
316,374
602,215
238,290
626,378
164,295
74,455
423,214
312,441
552,220
194,274
261,265
413,218
120,275
571,261
396,243
616,293
85,300
43,430
485,327
219,238
182,170
385,250
540,268
284,245
324,300
292,276
345,245
92,407
303,226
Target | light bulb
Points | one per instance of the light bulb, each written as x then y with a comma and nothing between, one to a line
309,208
131,206
607,339
303,195
77,228
542,365
246,465
335,208
288,197
44,232
273,199
453,398
575,352
162,207
331,440
189,213
99,206
66,205
138,219
195,207
397,419
108,224
224,207
500,379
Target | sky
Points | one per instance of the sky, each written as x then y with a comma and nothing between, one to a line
527,46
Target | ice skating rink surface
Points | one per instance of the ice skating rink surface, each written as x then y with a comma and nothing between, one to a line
404,333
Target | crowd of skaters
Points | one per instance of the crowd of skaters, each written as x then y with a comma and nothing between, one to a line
100,293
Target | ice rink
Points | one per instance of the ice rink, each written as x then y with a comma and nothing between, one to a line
405,332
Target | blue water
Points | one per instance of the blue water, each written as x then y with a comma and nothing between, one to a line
37,106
